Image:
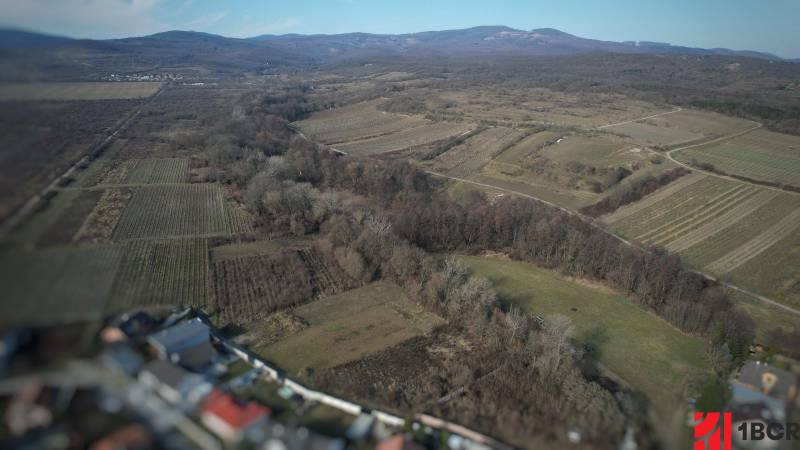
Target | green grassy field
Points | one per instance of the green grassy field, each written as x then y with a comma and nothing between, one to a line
681,127
639,347
348,326
760,154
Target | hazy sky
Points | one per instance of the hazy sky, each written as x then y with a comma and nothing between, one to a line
765,25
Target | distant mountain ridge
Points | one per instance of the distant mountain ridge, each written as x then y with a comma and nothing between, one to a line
542,41
29,55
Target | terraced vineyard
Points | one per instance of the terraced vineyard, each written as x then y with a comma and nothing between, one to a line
760,154
477,151
354,122
175,210
676,207
725,228
407,138
152,170
172,272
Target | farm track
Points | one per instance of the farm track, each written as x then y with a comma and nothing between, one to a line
757,245
33,203
677,109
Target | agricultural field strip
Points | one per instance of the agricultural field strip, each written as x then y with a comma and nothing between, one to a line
717,245
758,166
652,199
708,212
161,272
721,223
724,177
686,215
659,213
677,109
76,91
175,210
757,245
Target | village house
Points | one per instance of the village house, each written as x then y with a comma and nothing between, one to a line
179,337
761,384
399,442
229,419
173,383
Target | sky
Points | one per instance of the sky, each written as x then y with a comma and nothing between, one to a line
763,25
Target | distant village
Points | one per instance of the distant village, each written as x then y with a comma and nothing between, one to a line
155,76
174,382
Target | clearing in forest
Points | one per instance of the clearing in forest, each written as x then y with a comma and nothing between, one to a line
350,325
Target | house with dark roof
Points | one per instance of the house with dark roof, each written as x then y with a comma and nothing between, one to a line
229,418
761,385
180,337
200,358
174,383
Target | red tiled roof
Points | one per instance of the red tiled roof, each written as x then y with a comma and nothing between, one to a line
230,411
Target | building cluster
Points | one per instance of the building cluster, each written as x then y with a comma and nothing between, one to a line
175,382
156,76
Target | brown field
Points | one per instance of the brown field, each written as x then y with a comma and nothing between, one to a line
42,140
69,91
246,288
